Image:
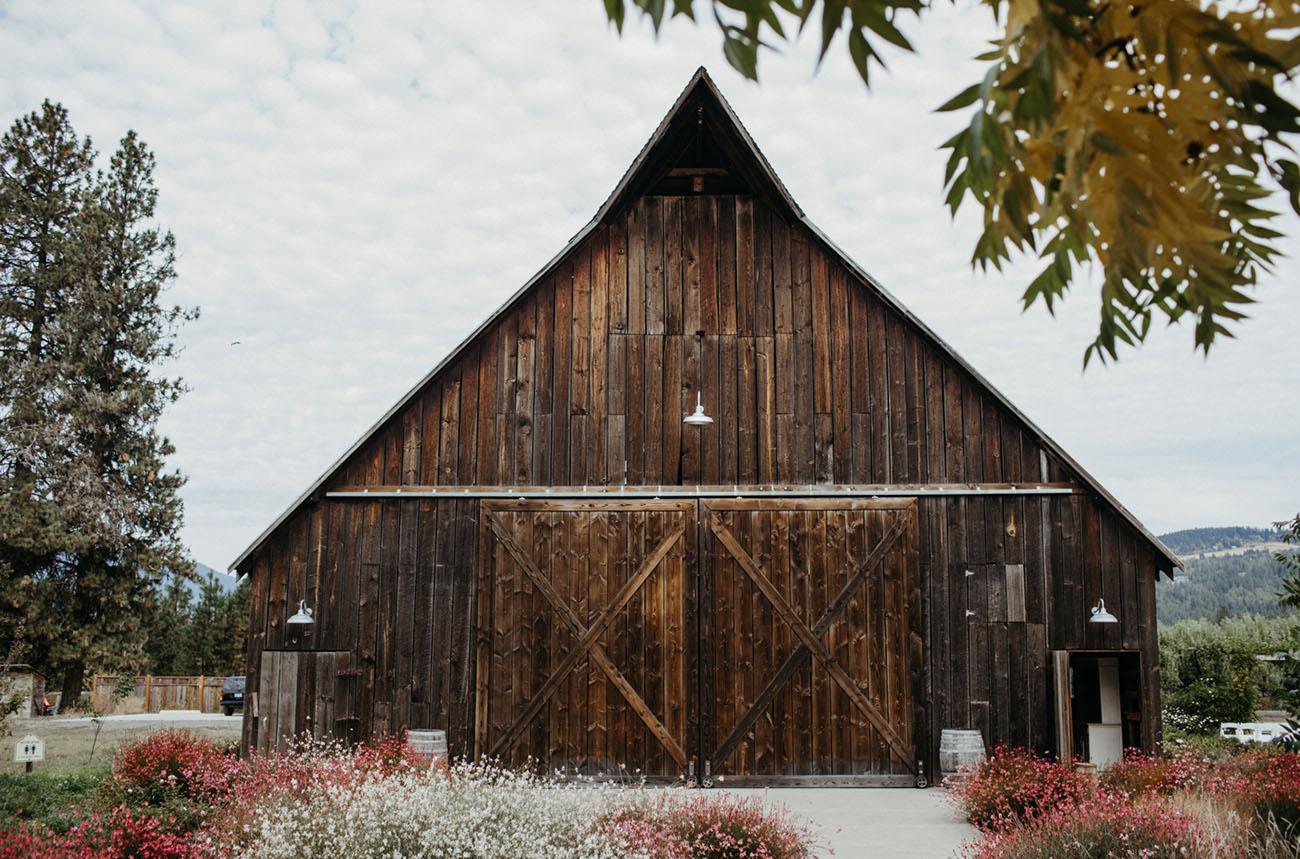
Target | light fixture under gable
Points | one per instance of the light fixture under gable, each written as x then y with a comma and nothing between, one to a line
1100,615
699,418
303,615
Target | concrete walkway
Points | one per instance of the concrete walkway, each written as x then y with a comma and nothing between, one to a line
880,823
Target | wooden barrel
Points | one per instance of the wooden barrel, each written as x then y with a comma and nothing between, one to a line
431,745
959,748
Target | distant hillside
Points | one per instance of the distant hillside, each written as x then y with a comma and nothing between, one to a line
1230,571
1194,541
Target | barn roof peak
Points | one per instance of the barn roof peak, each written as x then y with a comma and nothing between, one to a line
698,137
700,146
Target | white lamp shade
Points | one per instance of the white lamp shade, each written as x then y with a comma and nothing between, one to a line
698,418
1100,615
303,615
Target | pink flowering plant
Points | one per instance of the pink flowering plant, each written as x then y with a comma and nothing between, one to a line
1274,790
1145,806
170,764
1015,785
1266,781
1101,825
694,825
117,834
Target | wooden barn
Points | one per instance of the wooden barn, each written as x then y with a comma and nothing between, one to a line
867,544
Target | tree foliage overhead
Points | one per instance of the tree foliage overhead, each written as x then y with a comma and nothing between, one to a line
1289,596
1141,137
89,513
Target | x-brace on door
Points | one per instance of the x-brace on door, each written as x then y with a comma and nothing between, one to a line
587,643
810,652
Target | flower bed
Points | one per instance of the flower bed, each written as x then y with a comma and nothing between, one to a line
1012,786
1185,805
469,811
673,825
1101,825
175,796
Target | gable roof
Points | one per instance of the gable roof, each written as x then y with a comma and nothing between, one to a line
702,104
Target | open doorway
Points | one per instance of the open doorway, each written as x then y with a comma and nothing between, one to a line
1098,705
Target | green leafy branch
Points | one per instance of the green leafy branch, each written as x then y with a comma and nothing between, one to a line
1146,139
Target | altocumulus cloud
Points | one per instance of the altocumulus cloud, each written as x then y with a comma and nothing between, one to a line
355,186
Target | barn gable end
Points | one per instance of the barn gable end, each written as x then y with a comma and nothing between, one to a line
700,136
701,277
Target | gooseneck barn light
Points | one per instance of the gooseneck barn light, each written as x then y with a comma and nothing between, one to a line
699,418
1100,615
303,615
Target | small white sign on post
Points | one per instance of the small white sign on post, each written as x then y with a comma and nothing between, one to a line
30,748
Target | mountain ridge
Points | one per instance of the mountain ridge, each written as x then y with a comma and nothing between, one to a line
1230,570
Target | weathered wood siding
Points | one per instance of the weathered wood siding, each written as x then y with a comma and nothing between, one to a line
812,378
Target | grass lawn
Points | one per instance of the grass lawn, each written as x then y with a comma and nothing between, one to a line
68,740
49,797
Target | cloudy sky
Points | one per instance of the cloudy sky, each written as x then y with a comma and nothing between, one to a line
354,187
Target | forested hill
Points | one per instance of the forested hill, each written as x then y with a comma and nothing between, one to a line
1230,571
1195,541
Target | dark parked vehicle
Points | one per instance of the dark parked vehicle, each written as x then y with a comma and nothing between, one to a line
232,695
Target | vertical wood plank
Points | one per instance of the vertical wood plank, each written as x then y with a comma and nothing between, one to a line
655,288
692,222
635,420
726,287
747,416
710,266
672,410
618,264
840,369
599,334
746,277
636,267
561,409
674,291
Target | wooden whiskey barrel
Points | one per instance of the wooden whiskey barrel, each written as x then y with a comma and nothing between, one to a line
431,745
958,749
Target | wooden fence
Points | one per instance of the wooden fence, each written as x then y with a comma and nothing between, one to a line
151,693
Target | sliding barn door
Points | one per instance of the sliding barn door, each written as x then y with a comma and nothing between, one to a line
304,695
587,636
810,644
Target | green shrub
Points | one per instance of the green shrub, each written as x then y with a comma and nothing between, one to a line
1211,745
1210,674
48,798
1216,700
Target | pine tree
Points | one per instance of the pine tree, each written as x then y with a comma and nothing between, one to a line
169,629
205,644
44,180
91,518
234,629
